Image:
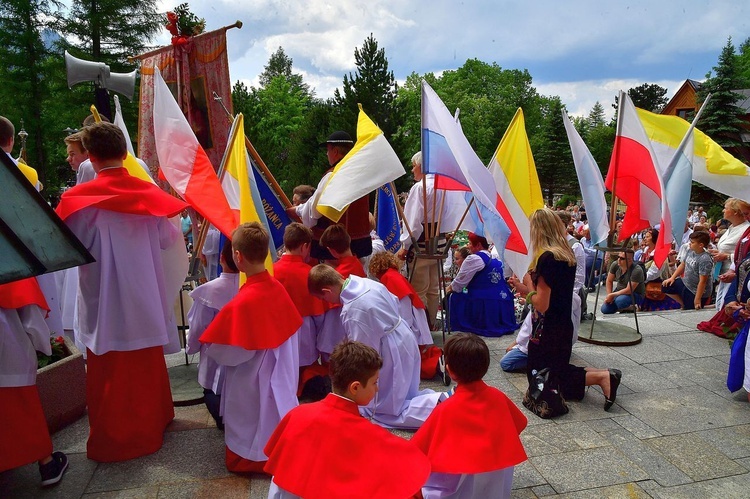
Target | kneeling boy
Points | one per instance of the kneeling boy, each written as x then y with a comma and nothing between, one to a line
472,439
352,457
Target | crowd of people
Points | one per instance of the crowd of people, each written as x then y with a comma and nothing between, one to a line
348,340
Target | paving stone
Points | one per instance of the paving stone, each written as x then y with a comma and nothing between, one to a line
259,486
230,487
525,475
639,379
745,461
708,371
603,425
736,486
652,350
583,435
191,418
581,470
648,459
546,439
605,357
648,325
629,490
695,457
636,426
697,344
733,441
183,457
687,318
24,482
683,410
72,439
543,491
522,494
137,493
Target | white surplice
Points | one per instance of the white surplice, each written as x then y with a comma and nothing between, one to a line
23,331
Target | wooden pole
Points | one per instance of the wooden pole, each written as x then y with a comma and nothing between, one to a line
237,24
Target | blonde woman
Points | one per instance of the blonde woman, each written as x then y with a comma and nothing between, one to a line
734,212
550,291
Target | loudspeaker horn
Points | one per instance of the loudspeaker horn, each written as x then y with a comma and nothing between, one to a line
79,71
122,83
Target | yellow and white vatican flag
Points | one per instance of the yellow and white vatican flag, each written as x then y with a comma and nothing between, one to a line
371,163
712,166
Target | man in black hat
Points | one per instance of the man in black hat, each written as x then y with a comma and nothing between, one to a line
355,218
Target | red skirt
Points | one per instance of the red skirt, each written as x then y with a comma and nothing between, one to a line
23,429
129,403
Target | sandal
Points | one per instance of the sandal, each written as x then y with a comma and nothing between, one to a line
615,376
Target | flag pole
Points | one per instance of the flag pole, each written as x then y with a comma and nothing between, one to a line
424,209
131,58
400,211
613,206
257,159
466,212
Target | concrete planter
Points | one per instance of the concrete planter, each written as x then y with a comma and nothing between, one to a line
62,388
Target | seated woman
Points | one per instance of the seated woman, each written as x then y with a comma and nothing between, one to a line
655,299
479,299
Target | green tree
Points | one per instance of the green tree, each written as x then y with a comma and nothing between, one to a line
554,161
721,118
596,115
111,30
648,96
280,64
372,85
24,76
743,64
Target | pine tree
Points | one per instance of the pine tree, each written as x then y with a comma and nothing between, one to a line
373,86
721,117
552,156
111,30
596,116
280,64
24,77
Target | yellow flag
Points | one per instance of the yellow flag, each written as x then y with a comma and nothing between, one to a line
130,163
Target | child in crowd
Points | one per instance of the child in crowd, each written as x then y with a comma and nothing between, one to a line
369,314
472,438
208,300
351,456
125,317
693,290
337,241
291,270
254,337
23,429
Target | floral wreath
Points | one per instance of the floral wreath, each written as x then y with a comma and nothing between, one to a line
183,24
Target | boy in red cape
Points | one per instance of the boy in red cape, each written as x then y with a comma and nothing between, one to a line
351,457
23,429
472,438
291,270
254,337
125,317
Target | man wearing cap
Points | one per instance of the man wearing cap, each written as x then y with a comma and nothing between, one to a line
356,218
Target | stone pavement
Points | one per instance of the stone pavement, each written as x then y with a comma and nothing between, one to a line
675,431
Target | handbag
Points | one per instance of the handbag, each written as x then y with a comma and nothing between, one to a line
542,398
736,373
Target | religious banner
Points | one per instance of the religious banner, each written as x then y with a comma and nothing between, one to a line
193,68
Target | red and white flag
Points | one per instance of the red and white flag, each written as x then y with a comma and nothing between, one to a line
635,177
184,163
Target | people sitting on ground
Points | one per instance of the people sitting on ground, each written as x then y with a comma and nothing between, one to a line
625,285
480,300
326,449
690,285
655,299
472,439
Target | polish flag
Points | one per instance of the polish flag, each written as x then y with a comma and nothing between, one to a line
636,177
184,163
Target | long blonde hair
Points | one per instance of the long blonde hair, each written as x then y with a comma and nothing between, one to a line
547,234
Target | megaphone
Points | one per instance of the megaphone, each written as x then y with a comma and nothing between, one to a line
79,71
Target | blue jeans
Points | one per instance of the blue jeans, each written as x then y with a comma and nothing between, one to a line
622,301
515,360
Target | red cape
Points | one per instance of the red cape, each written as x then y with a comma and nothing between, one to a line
350,265
18,294
399,286
260,317
291,271
474,431
327,450
116,190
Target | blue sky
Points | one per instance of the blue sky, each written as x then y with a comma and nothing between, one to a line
581,50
